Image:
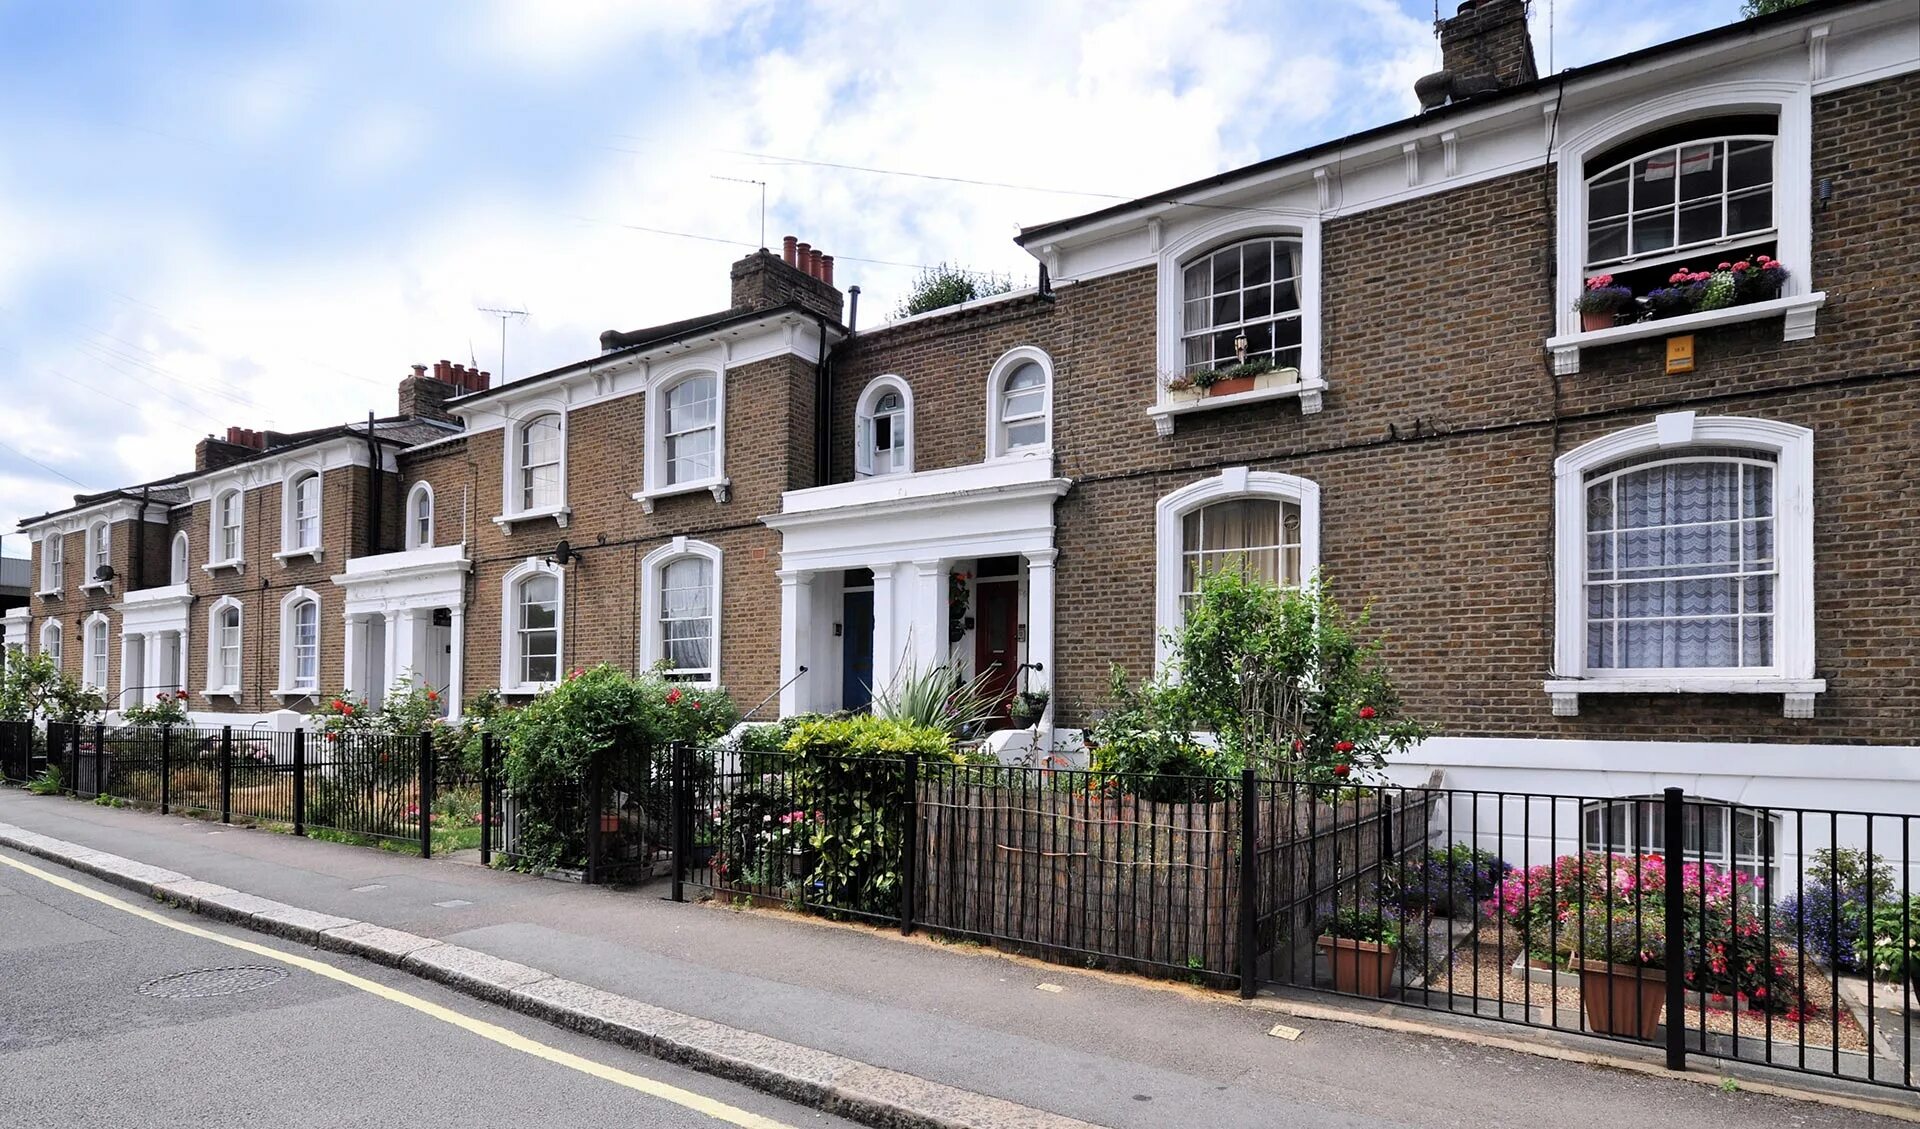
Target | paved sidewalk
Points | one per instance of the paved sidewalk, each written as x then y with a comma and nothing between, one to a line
1102,1049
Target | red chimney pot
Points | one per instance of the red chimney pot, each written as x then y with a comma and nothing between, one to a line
826,269
787,249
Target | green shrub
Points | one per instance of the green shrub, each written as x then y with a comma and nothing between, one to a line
1364,923
941,286
33,689
1895,940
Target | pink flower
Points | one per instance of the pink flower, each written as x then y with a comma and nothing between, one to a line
1742,265
673,697
1726,266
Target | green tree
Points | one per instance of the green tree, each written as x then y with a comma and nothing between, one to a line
33,689
941,286
1754,8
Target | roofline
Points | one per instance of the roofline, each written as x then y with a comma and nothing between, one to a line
1746,28
725,323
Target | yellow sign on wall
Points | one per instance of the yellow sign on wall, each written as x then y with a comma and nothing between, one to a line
1680,354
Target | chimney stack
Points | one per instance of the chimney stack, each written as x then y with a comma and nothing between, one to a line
1484,48
802,275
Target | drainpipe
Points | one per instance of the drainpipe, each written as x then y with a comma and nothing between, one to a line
823,409
373,490
140,539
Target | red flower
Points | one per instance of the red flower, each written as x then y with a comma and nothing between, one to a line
180,694
1299,745
432,697
346,709
695,703
338,705
1366,712
1341,770
1343,746
673,697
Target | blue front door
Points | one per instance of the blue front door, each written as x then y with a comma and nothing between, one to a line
856,651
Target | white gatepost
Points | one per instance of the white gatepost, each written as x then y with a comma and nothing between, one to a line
456,662
796,635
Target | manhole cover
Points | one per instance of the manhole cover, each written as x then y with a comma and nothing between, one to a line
203,982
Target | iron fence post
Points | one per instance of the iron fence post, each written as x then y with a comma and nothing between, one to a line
486,799
680,798
1672,817
425,799
166,767
300,781
73,758
910,848
226,774
595,809
1249,889
99,757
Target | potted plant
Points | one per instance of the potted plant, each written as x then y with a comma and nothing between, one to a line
1027,707
1620,953
1602,302
1756,280
1361,945
1181,386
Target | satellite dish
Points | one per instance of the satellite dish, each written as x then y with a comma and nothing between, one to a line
103,574
562,553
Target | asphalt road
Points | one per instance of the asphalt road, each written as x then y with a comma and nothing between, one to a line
98,1027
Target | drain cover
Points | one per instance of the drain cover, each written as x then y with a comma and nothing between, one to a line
203,982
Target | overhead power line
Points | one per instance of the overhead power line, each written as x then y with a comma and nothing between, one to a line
56,471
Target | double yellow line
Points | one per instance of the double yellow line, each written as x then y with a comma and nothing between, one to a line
698,1103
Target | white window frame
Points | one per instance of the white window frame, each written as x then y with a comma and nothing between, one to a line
1233,483
53,563
1177,252
863,414
1652,810
179,558
421,494
997,376
216,529
53,643
292,543
510,682
652,575
1798,303
654,458
1701,250
513,438
217,683
1793,639
95,663
99,554
289,643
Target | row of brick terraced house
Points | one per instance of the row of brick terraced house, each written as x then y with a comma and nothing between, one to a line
1606,557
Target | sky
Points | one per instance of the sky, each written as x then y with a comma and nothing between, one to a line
260,214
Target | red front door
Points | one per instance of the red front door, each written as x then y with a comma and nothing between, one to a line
996,636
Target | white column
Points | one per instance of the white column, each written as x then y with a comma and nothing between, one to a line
1040,625
796,640
391,668
129,677
356,647
456,661
153,665
886,648
929,615
183,664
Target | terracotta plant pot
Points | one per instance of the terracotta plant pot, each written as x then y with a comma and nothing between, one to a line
1591,320
1231,385
609,822
1622,1000
1362,968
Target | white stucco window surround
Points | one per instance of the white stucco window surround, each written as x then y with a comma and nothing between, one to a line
680,624
1172,332
299,644
300,515
686,446
532,627
1231,484
1019,408
1658,119
883,428
53,563
225,642
99,556
96,633
50,641
1734,577
420,516
534,466
226,528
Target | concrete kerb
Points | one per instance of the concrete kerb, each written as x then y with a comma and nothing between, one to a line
846,1087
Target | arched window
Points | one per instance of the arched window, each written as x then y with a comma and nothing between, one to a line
223,647
420,517
680,587
1683,560
50,642
299,644
99,550
1266,524
1695,190
1020,403
53,562
303,513
225,545
691,426
1242,306
178,560
93,658
883,429
531,628
540,448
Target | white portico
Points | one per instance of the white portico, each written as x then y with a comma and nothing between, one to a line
898,573
406,618
153,643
